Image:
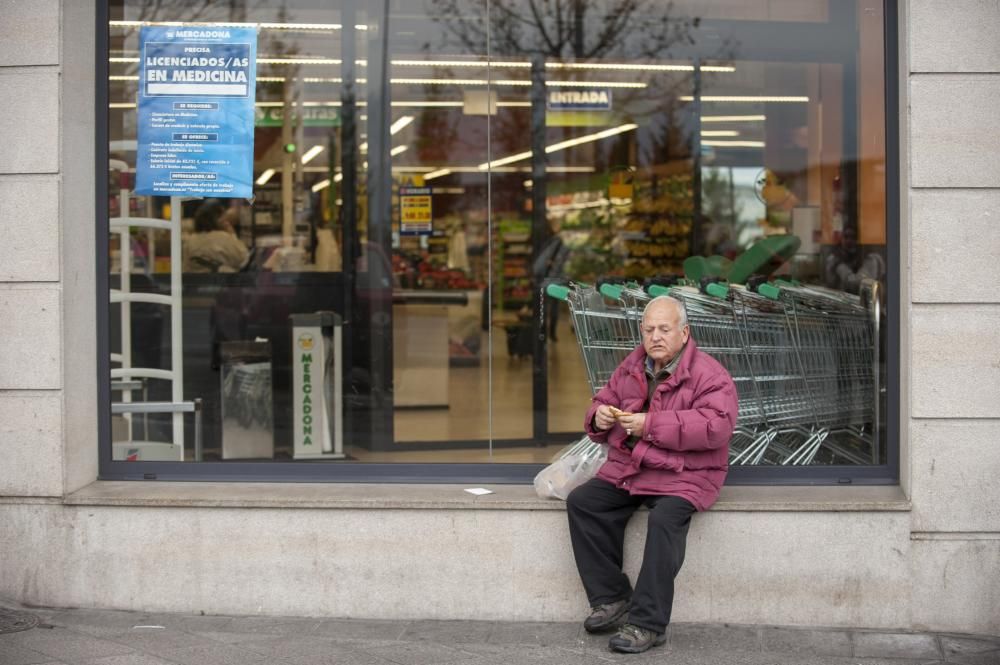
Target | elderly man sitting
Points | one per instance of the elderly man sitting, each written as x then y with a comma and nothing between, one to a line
667,415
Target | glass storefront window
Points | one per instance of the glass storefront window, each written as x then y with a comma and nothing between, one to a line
421,173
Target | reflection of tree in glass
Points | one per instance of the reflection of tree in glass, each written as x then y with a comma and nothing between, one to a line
722,214
213,11
580,32
173,10
436,132
269,43
718,202
567,29
191,11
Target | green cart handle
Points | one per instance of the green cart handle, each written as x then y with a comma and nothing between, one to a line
558,291
612,291
717,290
656,290
769,291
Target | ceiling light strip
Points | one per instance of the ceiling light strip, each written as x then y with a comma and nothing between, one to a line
733,118
562,145
588,138
746,98
734,144
461,63
431,172
306,27
517,82
299,61
506,160
402,122
427,104
310,154
637,67
588,84
264,177
476,169
598,66
437,174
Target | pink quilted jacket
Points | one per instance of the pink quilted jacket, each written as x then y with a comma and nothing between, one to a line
684,448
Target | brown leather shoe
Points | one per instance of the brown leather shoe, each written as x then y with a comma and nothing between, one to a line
634,639
603,617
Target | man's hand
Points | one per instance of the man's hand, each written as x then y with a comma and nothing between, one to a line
604,417
632,422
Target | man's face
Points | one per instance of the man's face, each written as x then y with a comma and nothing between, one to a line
662,337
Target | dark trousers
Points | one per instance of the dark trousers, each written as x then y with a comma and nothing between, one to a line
598,512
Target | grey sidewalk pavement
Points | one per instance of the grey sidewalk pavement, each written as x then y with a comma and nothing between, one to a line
96,637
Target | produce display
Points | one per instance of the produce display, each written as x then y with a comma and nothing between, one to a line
648,236
513,256
426,270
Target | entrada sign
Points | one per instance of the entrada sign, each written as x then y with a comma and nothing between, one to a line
587,99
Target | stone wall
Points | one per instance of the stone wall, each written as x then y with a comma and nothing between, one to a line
31,324
823,568
952,83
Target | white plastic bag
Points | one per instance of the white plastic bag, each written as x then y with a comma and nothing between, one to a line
574,466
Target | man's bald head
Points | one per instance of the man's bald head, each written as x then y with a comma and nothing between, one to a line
673,305
664,330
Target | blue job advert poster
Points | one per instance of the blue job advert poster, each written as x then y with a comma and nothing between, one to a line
196,111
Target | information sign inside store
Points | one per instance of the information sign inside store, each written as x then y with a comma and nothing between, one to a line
310,116
415,215
196,111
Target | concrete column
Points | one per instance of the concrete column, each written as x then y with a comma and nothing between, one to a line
954,210
79,204
30,295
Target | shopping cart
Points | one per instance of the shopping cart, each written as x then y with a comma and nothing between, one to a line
808,376
607,333
749,343
804,360
607,322
835,337
606,330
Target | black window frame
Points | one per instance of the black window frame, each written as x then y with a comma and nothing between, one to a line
488,473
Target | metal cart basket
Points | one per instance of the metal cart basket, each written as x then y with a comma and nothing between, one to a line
804,360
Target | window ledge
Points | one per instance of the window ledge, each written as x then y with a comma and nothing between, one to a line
452,497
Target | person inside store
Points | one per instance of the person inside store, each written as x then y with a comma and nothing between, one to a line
666,415
847,266
548,267
214,246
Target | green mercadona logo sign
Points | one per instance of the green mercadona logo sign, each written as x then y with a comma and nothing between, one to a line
306,343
